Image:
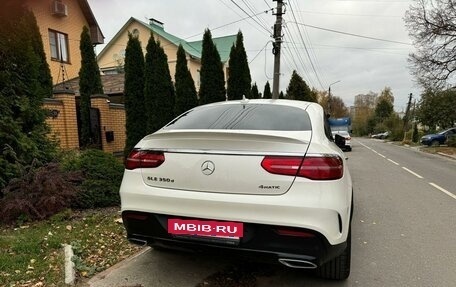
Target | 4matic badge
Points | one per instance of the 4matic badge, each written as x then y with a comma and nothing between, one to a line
269,187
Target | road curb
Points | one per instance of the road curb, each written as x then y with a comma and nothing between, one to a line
447,155
70,273
105,273
418,149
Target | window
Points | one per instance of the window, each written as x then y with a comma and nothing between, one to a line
244,117
59,46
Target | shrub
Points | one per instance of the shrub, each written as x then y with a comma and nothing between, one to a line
452,141
40,193
102,174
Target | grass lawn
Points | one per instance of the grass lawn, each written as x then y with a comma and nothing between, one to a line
442,149
31,253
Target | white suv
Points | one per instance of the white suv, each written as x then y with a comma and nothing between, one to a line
259,177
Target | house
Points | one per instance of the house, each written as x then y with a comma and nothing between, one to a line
60,23
111,58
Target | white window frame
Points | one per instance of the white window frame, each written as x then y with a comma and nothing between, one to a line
58,42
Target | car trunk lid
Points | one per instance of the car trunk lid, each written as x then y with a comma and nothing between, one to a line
224,161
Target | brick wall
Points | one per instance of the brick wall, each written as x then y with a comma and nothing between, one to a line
112,119
63,121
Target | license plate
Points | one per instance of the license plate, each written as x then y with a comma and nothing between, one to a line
219,229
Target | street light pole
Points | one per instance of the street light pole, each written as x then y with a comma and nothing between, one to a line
329,96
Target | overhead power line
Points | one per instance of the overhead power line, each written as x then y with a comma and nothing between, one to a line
252,9
353,35
261,25
264,47
235,11
231,23
349,15
307,51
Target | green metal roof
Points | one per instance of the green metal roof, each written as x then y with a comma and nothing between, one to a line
223,45
194,48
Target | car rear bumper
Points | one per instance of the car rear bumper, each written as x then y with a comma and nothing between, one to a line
322,206
260,242
426,142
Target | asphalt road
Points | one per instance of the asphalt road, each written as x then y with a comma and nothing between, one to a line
404,232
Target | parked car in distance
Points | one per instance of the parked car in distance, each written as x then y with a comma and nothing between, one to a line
439,138
346,135
383,135
263,178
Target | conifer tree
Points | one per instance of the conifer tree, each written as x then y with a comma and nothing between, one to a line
212,88
267,94
23,131
159,94
186,98
44,73
299,90
239,79
134,98
89,84
233,89
281,96
254,94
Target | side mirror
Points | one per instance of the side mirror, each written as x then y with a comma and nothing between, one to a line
339,140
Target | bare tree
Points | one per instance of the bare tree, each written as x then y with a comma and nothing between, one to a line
432,26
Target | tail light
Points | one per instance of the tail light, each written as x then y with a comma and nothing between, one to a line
144,159
312,167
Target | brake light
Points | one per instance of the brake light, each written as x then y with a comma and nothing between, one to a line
282,164
144,159
322,168
312,167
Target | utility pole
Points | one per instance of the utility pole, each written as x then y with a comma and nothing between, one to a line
329,96
407,115
276,48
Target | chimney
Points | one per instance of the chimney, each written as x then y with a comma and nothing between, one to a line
156,23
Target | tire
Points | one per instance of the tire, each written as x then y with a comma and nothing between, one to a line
339,267
435,143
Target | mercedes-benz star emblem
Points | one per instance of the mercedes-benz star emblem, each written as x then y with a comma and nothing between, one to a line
208,167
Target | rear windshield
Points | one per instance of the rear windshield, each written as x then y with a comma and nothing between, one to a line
244,117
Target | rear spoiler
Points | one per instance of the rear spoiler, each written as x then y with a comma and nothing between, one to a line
226,141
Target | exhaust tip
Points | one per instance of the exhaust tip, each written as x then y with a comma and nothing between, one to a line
296,263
